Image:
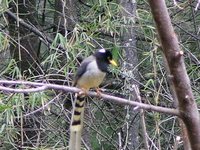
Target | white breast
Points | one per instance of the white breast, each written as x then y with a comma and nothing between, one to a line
92,78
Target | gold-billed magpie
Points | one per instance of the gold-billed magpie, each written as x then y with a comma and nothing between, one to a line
90,74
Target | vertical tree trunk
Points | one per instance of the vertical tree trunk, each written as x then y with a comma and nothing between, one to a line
128,41
178,74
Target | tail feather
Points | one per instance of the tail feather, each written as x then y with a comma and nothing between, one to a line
77,124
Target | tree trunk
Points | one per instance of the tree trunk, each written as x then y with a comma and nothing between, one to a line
128,41
186,141
178,74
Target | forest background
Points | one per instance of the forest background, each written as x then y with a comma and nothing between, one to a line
44,42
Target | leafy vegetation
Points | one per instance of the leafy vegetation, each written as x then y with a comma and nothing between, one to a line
100,23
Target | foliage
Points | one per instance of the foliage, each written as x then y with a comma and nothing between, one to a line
100,23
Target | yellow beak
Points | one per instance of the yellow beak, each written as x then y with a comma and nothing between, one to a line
113,62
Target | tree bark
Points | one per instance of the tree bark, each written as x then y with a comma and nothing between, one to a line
128,41
178,74
186,141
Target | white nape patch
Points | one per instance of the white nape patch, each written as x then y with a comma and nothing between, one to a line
102,50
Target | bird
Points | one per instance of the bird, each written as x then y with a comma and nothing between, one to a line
90,74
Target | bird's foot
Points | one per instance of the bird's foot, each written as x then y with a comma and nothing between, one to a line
98,90
83,92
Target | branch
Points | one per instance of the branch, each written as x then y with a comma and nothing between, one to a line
29,27
45,39
45,86
178,74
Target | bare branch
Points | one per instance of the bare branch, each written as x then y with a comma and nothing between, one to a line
44,86
179,78
28,90
196,8
45,39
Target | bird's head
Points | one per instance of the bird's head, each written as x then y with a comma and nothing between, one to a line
105,56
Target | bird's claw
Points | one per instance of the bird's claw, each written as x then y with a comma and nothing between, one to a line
98,90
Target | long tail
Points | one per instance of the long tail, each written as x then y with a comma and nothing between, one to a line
77,123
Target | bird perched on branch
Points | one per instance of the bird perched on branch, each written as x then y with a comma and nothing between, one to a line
90,74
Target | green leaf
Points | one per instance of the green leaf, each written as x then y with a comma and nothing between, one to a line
4,107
